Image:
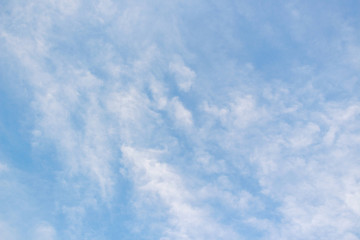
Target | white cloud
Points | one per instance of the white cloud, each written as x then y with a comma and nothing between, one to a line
352,199
316,192
241,202
68,7
239,112
44,231
58,99
158,92
210,164
184,76
155,177
182,116
244,111
3,167
299,150
7,232
304,137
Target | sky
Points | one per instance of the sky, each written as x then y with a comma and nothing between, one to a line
179,120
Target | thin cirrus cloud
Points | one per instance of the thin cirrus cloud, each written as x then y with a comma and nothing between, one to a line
179,120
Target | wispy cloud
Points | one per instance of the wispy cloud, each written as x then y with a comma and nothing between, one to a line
184,76
185,221
180,120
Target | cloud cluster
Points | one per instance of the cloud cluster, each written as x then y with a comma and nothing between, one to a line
182,120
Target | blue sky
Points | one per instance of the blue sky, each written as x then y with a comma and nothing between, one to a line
177,120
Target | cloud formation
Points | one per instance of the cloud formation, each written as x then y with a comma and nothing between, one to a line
179,120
